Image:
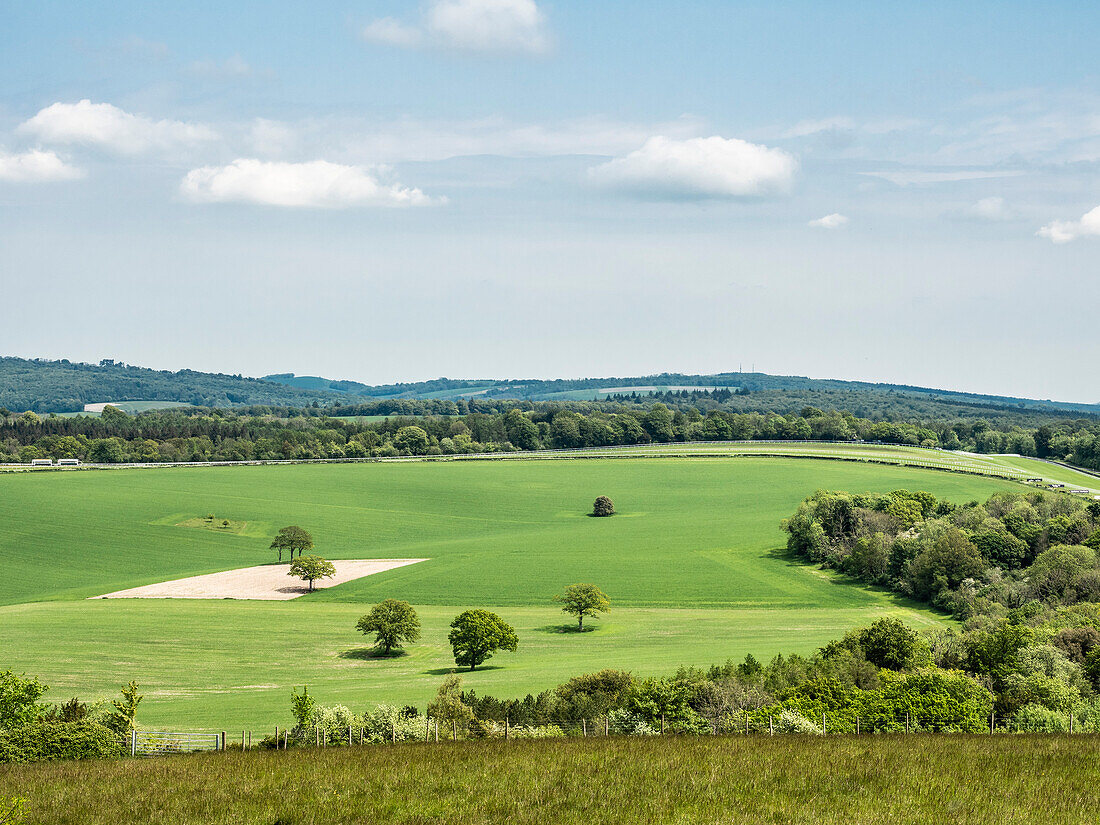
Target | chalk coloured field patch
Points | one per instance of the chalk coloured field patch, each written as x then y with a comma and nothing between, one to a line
268,582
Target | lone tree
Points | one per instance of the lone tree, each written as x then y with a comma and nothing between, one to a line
582,600
310,568
603,506
393,623
477,634
291,538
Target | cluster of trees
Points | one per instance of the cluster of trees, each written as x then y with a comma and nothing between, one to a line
261,433
1022,572
975,559
475,634
32,730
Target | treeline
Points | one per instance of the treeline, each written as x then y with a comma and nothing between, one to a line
463,427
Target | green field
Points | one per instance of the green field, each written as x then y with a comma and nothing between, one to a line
693,564
134,407
757,780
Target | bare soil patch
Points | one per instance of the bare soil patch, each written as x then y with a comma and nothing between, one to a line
268,582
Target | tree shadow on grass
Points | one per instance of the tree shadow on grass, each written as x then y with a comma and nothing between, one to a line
460,671
562,628
839,578
370,654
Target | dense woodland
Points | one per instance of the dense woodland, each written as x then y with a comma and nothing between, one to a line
464,427
1021,571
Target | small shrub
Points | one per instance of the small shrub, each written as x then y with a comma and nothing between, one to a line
623,721
602,507
791,721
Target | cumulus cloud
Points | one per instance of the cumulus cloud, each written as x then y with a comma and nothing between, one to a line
34,166
107,126
699,168
1066,231
833,221
468,25
315,183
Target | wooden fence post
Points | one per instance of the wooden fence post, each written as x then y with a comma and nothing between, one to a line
349,736
662,723
223,740
907,723
133,742
454,729
857,726
286,739
437,730
584,727
607,726
823,723
771,726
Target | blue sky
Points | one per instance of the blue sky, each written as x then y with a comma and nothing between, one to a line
396,191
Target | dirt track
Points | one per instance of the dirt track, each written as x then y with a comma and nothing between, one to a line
268,582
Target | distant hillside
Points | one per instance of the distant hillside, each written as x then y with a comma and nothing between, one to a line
759,392
63,386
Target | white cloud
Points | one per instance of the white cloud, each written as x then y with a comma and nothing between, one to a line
489,25
469,25
833,221
990,209
101,124
696,168
392,32
316,183
35,165
1066,231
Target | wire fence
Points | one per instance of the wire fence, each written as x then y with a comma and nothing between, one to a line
436,730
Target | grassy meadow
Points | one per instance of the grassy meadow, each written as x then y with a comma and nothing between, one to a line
758,780
693,564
